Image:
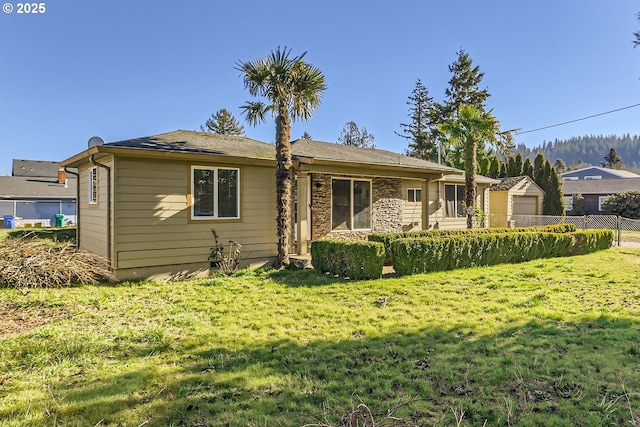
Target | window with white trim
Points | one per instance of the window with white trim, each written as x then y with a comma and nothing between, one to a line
414,195
93,185
350,204
568,203
454,201
601,200
215,193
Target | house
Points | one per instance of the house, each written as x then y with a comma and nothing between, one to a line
585,197
596,172
149,204
512,198
36,191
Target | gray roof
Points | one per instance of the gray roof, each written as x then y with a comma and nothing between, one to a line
183,141
20,187
35,168
370,156
600,186
604,172
507,184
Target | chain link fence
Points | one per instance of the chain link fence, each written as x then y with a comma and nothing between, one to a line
627,231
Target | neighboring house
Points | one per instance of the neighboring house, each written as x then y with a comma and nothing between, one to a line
149,204
513,197
596,172
585,197
37,191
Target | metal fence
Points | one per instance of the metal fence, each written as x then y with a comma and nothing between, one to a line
627,231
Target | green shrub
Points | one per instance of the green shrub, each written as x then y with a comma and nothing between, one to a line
353,259
587,241
386,238
422,255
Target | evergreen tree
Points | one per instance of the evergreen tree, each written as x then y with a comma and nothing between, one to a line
494,167
553,197
306,135
420,131
527,168
351,135
223,123
560,166
518,165
464,86
538,168
612,160
464,89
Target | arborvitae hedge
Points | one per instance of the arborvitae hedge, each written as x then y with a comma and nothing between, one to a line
387,237
422,255
353,259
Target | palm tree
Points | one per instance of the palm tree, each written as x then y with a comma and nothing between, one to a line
470,127
292,90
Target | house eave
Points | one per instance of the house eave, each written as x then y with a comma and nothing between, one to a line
196,157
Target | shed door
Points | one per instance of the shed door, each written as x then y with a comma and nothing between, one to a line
525,205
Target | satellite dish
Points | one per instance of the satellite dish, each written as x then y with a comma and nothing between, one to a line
94,141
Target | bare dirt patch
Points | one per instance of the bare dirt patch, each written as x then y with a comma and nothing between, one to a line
17,320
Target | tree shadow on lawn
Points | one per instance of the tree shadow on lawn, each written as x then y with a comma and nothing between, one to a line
542,372
311,278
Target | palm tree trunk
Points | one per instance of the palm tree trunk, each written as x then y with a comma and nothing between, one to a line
283,186
470,168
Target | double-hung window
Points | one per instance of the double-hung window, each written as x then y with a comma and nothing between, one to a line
215,193
454,201
93,186
414,195
350,204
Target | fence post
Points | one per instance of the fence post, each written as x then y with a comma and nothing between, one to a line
619,229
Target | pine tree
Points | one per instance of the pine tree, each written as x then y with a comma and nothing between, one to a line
612,160
560,166
223,123
420,131
553,200
306,135
351,135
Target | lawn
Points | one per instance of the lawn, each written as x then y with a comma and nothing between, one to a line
549,342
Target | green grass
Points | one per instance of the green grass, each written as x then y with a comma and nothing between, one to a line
550,342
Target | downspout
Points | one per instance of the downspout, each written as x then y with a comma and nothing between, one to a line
77,206
108,169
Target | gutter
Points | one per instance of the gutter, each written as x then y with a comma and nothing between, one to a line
108,169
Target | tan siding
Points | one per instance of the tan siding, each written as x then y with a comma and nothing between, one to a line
93,217
153,216
499,208
411,212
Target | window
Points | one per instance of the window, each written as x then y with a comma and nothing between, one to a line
93,185
593,177
568,203
601,200
414,195
350,204
215,193
454,201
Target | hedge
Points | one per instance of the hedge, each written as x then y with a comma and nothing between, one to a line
422,255
387,237
354,259
587,241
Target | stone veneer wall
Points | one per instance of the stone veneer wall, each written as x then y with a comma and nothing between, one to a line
386,212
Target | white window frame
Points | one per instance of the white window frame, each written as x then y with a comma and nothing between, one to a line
215,216
593,177
351,180
415,191
93,186
568,203
455,206
601,200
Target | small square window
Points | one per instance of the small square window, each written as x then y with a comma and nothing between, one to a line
414,195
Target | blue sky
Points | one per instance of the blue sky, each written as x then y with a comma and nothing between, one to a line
122,69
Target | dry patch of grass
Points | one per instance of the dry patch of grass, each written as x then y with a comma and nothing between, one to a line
17,319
